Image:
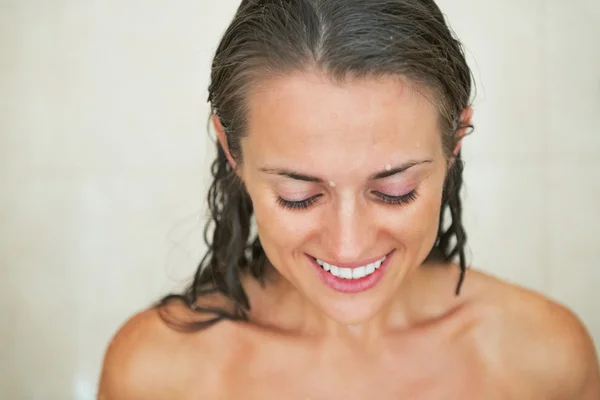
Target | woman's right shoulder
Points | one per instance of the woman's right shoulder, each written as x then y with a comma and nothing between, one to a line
148,359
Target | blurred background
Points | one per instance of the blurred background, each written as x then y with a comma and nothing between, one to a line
104,160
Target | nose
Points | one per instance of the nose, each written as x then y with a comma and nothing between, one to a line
349,233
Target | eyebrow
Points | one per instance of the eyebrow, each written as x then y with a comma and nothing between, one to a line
308,178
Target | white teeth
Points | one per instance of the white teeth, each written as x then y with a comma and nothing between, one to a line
335,271
359,272
351,273
346,273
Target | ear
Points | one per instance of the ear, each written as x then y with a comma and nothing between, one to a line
222,137
465,122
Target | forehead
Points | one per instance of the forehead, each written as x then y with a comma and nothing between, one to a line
310,114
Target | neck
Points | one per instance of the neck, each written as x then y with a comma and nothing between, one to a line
279,306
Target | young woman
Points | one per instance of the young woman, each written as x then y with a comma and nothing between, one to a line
336,225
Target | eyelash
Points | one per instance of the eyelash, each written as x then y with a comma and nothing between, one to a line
298,205
304,204
397,200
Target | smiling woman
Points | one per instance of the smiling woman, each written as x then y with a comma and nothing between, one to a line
371,213
335,229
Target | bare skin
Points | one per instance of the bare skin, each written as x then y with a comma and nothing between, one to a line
406,337
495,341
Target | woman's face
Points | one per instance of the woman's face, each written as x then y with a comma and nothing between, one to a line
346,182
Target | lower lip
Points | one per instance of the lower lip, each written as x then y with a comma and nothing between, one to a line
351,285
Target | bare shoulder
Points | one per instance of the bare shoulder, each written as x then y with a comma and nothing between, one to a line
536,338
147,359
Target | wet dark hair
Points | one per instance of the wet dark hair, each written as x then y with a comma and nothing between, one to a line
344,39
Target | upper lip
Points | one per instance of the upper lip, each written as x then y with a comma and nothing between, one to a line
354,264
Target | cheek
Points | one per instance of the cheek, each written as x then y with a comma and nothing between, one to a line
416,225
280,231
427,216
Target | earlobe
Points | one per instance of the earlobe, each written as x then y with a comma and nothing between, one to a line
222,138
465,124
456,149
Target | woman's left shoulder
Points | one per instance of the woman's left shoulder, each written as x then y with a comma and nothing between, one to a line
536,337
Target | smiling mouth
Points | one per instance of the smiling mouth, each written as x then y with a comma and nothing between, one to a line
351,273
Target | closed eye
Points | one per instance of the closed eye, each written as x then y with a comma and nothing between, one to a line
298,205
396,200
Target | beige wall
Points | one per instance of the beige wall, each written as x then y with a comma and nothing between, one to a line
103,164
